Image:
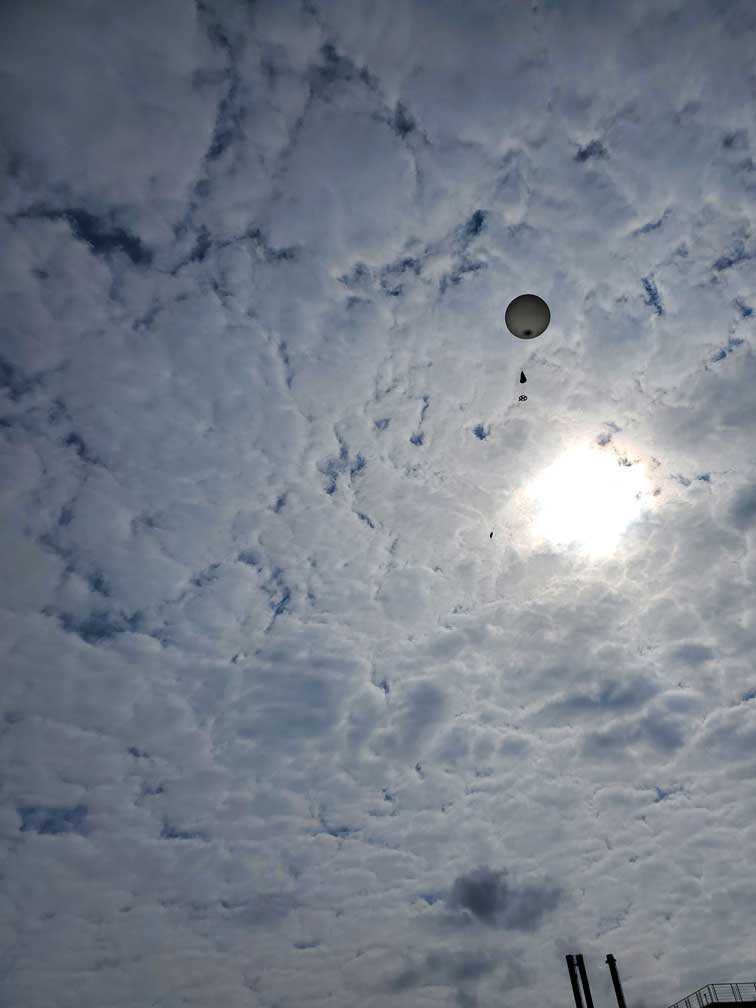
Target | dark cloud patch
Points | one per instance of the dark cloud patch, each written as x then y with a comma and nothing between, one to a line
223,135
663,793
480,432
275,587
206,576
99,584
99,234
103,238
268,252
53,820
360,277
279,601
101,625
280,503
333,467
417,439
738,254
336,68
402,121
474,225
595,149
365,518
57,411
465,267
471,229
228,122
341,832
13,381
652,225
383,423
743,508
745,310
605,437
732,344
391,274
213,27
482,892
486,895
283,353
652,298
202,245
169,832
64,518
612,695
76,441
735,140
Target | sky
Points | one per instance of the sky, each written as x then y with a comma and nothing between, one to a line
282,723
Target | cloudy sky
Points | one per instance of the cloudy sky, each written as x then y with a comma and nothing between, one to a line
282,724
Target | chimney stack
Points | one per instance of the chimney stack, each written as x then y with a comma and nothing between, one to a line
584,978
574,981
616,981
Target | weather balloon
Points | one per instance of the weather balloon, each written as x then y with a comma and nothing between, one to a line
527,316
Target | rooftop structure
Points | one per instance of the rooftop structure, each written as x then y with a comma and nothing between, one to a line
723,995
719,994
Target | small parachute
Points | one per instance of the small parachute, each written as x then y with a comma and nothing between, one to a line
527,316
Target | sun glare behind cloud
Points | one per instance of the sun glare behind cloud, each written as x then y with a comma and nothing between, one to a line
587,498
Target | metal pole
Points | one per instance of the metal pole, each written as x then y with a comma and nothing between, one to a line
616,981
584,978
574,981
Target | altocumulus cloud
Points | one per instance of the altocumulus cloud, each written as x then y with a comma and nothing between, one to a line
281,724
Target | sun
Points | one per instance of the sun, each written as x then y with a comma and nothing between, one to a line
587,498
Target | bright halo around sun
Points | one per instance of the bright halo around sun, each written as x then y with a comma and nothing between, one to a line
587,498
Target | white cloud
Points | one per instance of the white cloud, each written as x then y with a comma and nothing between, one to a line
281,722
